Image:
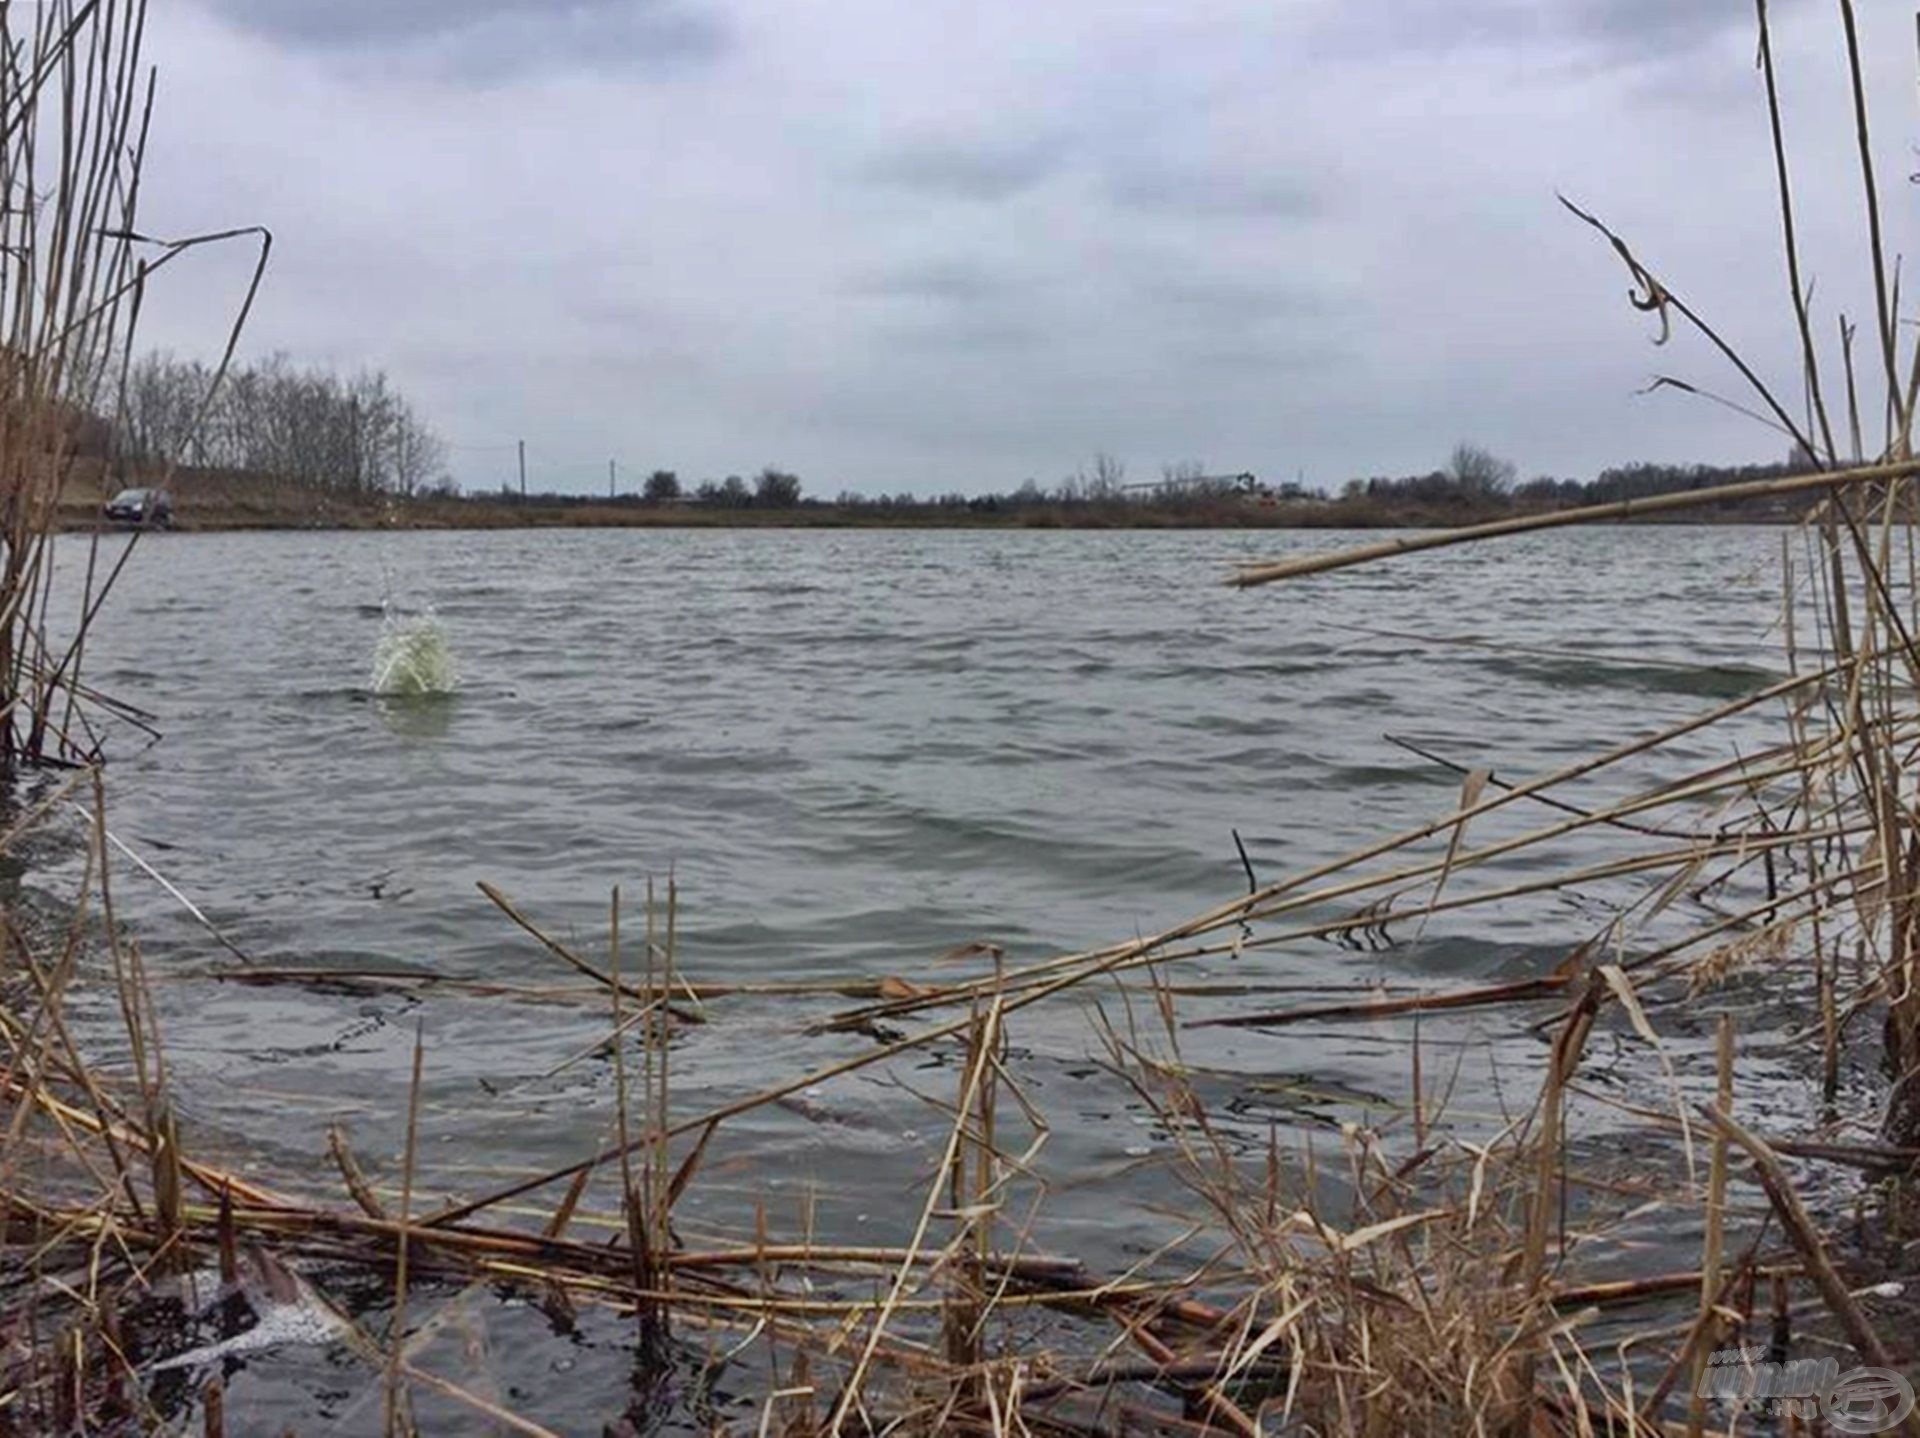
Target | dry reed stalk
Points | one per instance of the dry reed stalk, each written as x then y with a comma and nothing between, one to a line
567,955
646,1241
1712,1238
1544,1204
1797,294
960,1323
350,1173
396,1420
847,988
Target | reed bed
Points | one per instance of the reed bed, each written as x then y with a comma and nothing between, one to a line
75,106
1468,1281
1444,1266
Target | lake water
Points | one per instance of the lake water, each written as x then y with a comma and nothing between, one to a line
853,751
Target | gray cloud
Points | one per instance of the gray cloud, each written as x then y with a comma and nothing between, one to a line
1648,26
1634,31
1211,191
954,335
965,169
1262,363
1222,298
382,22
957,281
491,38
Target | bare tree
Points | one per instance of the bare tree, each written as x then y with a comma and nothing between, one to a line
163,395
776,489
354,436
1479,471
419,456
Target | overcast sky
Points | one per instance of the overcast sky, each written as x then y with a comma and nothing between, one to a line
957,243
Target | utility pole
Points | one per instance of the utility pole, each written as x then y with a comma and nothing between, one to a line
523,469
609,479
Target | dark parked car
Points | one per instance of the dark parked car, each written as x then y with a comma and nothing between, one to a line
152,508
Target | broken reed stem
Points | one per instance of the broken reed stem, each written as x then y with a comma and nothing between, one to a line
961,1316
350,1173
635,1194
846,987
1712,1237
661,1190
397,1329
1543,1208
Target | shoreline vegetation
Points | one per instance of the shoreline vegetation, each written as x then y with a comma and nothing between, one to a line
222,500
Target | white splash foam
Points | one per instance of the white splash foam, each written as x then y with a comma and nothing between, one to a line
413,657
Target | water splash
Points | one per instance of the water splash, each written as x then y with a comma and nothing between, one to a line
413,656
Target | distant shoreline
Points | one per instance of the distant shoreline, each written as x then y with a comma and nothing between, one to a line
303,510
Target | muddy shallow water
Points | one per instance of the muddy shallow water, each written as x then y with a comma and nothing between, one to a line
853,753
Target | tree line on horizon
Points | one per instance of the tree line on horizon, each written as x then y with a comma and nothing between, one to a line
770,489
356,435
1474,480
353,435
